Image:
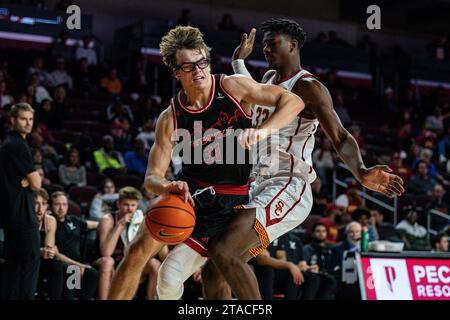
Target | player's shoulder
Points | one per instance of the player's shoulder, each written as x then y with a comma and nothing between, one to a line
310,87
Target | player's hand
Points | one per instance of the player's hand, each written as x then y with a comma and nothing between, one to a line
126,219
246,46
250,136
181,188
25,183
297,275
380,179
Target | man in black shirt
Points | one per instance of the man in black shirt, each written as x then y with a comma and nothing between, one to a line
318,255
69,232
18,179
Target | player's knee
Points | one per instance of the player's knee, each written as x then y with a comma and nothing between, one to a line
106,264
222,255
169,286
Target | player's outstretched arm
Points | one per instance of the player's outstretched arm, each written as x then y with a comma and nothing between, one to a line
160,158
377,178
248,91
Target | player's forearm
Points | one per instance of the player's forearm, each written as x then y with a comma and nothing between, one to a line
347,148
65,259
156,183
272,262
240,68
286,110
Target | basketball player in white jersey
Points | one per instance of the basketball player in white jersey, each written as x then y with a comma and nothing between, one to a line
281,197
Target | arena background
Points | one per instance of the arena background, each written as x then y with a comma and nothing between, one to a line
391,88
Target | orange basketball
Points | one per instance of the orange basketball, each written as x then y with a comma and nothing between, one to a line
169,219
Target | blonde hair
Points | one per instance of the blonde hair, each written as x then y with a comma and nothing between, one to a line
20,107
181,38
129,193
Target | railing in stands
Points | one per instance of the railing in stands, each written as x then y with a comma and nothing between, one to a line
337,182
437,213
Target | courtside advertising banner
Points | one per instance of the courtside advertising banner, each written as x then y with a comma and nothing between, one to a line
404,278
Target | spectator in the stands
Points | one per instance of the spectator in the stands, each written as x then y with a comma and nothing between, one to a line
60,76
400,169
389,102
119,110
341,110
332,215
5,98
344,263
46,114
40,92
320,197
282,268
362,215
38,69
116,231
421,183
438,203
413,235
318,256
61,48
147,135
104,201
87,51
84,77
439,243
185,18
443,147
69,232
51,268
111,82
439,49
324,161
72,172
60,103
227,24
109,161
351,199
386,230
136,160
45,163
120,131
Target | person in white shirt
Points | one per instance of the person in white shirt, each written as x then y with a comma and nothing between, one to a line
60,76
87,51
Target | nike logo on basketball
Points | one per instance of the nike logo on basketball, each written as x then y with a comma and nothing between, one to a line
169,235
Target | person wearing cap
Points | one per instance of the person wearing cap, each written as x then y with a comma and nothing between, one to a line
60,76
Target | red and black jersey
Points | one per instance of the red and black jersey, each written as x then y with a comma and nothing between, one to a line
213,129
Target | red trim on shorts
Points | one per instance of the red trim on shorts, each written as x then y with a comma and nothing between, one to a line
296,132
204,108
271,222
230,189
232,98
197,246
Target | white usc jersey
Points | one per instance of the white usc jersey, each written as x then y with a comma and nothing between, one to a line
288,152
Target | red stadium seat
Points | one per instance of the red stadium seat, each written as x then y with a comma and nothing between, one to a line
125,180
82,195
74,209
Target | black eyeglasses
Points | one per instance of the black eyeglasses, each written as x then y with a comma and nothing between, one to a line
190,66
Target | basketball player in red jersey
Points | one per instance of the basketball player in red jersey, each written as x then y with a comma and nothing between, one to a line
214,102
281,198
